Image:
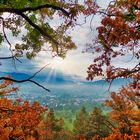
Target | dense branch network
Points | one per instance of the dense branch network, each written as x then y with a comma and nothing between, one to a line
23,13
35,18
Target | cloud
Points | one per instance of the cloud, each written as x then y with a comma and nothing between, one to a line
75,62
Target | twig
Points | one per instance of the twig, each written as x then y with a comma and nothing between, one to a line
102,12
13,57
10,57
91,22
30,79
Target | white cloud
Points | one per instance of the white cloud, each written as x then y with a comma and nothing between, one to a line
75,63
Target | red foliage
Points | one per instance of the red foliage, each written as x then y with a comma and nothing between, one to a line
7,87
118,35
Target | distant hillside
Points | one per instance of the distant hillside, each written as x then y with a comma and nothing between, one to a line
117,82
15,75
61,78
67,91
54,78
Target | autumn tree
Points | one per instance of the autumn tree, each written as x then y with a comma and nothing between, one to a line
126,110
18,119
118,36
22,120
124,117
98,124
56,125
6,87
30,22
80,122
52,128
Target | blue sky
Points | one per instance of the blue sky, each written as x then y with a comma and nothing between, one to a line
75,63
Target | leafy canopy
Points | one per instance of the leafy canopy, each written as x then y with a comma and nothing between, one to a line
118,36
37,17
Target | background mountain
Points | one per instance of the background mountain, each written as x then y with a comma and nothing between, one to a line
57,77
49,76
67,91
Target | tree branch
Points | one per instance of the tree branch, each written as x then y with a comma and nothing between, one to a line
45,6
13,57
102,12
20,12
129,72
45,34
8,57
14,10
30,79
23,81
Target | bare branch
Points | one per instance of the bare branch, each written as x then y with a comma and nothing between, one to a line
125,72
5,36
36,83
30,79
13,57
10,57
104,13
38,71
23,81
